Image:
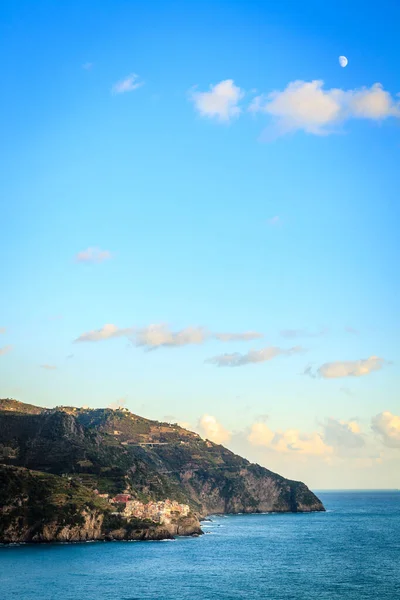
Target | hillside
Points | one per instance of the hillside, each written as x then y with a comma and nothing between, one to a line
114,451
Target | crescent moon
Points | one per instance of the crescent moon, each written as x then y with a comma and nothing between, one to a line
343,62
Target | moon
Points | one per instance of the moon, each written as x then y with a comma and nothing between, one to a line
343,62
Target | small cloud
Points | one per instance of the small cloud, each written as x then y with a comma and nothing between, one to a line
214,431
5,349
106,332
387,426
48,367
254,356
70,356
2,330
92,255
128,84
121,403
351,368
274,221
238,337
221,102
87,66
299,333
156,336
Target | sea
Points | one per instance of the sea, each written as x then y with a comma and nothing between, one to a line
351,552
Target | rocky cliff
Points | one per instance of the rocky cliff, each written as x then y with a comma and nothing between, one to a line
114,451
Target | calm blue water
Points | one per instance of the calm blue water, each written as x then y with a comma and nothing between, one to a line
352,552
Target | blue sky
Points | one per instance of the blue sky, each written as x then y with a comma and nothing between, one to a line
224,208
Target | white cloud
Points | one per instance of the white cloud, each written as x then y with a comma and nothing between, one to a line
351,368
253,356
290,440
48,367
159,335
387,426
106,332
128,84
307,106
212,430
373,103
5,349
93,255
221,102
155,336
238,337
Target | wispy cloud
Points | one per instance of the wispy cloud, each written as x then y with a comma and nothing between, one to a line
5,349
212,430
160,335
307,106
253,356
351,368
48,367
2,330
106,332
155,336
347,368
387,426
92,255
128,84
87,66
221,102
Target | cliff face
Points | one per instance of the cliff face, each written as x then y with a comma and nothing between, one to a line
114,451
